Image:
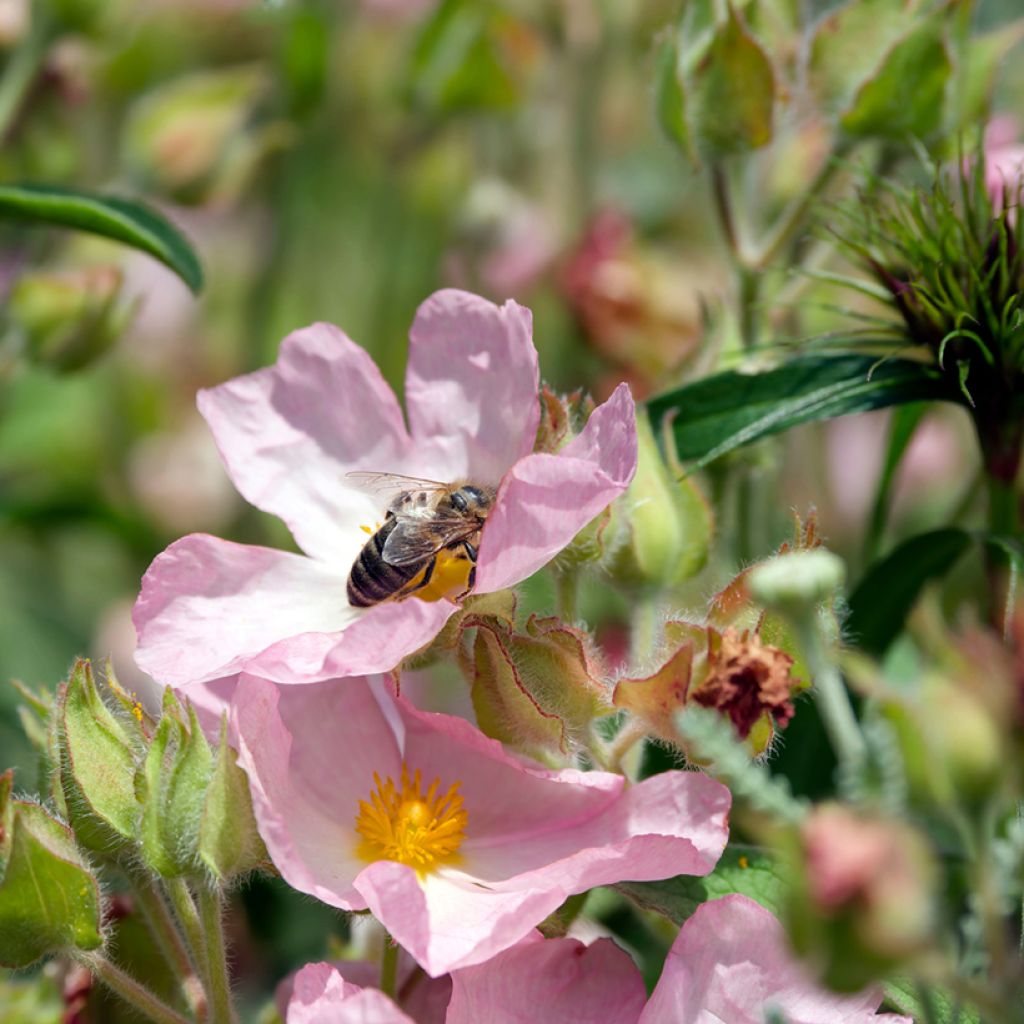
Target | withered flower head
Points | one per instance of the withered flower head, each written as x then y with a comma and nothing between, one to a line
747,678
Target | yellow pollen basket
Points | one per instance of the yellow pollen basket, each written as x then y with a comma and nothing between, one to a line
405,824
449,578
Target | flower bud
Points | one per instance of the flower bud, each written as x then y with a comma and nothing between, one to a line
97,753
49,898
192,138
69,318
862,901
537,691
668,522
796,582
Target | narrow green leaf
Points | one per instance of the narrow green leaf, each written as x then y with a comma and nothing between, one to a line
717,414
123,220
748,870
670,104
887,592
904,995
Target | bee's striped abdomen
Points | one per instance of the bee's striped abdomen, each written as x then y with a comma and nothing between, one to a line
373,580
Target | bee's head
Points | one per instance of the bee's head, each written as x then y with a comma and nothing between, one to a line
470,500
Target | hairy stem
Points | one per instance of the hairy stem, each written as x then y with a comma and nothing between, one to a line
567,595
180,897
130,990
219,984
389,967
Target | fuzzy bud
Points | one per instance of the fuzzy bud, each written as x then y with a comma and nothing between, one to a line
862,903
797,582
49,897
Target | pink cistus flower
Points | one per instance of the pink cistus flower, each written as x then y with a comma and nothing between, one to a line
731,962
320,995
289,436
458,848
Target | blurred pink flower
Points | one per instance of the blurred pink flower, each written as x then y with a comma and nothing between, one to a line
1004,159
595,984
730,962
458,848
288,434
320,995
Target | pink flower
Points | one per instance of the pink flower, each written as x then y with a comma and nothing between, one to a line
550,980
1004,161
458,848
320,995
290,433
730,962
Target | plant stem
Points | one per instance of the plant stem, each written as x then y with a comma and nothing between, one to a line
22,69
219,984
836,711
167,936
185,909
631,733
389,967
130,990
567,594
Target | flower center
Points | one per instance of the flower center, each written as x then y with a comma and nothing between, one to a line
405,824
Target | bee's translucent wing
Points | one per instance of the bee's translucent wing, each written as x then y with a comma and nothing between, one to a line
389,487
415,539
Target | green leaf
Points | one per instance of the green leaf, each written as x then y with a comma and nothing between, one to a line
887,592
904,995
49,899
123,220
669,102
717,414
905,97
742,869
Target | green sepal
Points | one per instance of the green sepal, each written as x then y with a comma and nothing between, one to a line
229,842
49,898
157,844
97,766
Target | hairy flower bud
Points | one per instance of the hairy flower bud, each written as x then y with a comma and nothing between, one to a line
49,897
862,902
797,582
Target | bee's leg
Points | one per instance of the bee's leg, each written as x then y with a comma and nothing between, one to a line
469,552
428,573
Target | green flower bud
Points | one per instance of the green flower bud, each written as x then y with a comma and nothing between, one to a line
69,318
49,897
229,842
797,582
98,756
668,522
862,900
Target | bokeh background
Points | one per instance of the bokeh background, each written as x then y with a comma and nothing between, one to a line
339,161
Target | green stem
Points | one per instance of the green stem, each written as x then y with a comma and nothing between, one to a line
21,71
631,733
1002,570
836,711
219,984
180,897
130,990
567,594
167,936
389,967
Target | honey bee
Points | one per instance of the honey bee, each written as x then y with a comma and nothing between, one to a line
427,544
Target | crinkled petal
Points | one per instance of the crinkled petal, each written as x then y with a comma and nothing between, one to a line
472,382
545,500
731,962
289,433
207,605
320,995
310,753
595,984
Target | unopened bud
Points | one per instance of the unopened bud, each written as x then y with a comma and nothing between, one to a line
797,582
69,318
863,900
49,897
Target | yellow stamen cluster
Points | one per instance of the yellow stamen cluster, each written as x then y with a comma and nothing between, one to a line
405,824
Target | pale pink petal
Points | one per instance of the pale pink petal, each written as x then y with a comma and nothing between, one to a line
320,995
310,753
289,433
545,500
472,382
731,962
574,983
207,605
